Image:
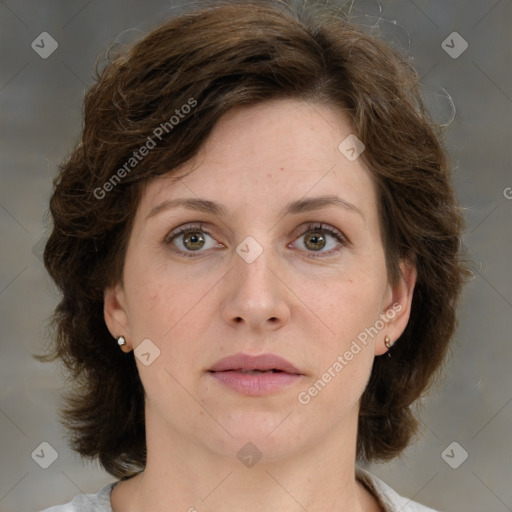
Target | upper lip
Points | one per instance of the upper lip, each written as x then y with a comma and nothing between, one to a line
243,361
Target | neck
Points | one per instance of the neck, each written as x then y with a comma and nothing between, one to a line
182,475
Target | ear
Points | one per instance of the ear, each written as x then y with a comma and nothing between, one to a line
397,306
115,314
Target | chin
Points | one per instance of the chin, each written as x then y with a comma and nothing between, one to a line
273,433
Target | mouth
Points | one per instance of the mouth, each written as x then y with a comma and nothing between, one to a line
247,364
255,375
256,372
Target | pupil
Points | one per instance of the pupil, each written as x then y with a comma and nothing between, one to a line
196,241
317,240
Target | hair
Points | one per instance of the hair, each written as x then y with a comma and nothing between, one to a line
214,58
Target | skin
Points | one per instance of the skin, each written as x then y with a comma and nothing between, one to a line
307,309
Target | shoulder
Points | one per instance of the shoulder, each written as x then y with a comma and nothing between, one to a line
99,502
390,500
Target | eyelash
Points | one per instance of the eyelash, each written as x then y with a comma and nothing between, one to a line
316,227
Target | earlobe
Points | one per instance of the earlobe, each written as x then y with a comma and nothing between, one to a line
121,341
114,310
397,308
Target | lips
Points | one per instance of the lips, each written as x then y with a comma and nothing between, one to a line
254,365
255,376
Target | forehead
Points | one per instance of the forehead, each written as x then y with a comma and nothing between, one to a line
269,154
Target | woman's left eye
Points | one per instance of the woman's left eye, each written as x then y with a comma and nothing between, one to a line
318,237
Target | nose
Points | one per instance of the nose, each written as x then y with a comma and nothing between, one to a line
255,295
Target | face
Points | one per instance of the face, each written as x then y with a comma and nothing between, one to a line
270,246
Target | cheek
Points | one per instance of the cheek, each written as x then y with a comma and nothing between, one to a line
349,305
344,363
149,293
163,299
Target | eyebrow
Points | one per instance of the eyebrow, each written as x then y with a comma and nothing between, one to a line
316,203
200,205
293,208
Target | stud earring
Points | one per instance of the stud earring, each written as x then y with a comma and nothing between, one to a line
387,341
121,341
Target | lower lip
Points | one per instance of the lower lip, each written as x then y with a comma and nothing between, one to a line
254,384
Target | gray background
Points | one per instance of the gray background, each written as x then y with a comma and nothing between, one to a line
40,106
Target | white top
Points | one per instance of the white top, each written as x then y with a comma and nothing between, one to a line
387,497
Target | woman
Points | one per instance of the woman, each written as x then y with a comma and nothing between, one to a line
260,212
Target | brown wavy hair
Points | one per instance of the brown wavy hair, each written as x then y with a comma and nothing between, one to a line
225,55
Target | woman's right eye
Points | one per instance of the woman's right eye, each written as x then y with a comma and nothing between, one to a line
189,240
